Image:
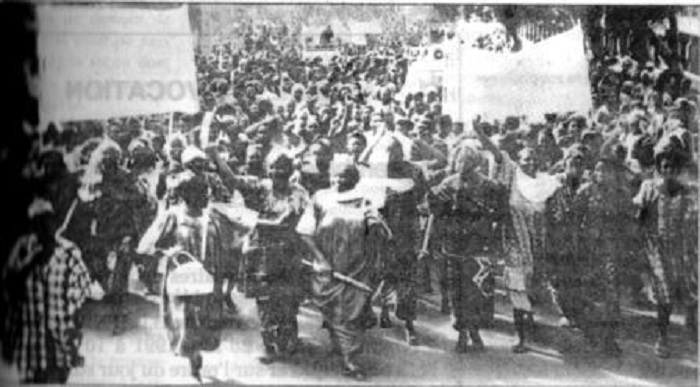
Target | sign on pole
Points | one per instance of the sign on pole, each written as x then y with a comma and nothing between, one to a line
103,62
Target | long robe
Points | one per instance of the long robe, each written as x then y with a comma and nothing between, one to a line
607,219
273,272
466,237
670,225
524,231
563,250
352,244
401,265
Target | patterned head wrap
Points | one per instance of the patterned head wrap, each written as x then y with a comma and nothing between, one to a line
671,147
93,173
468,157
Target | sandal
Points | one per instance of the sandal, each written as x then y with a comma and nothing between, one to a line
520,348
270,355
355,372
411,337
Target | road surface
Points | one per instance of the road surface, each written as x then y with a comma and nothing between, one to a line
559,355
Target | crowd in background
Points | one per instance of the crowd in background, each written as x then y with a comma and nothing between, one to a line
301,142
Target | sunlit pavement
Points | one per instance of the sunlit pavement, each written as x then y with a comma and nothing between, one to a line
558,356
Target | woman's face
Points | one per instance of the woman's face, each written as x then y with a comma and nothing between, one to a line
344,180
250,92
209,101
603,174
323,158
198,165
298,94
562,137
224,153
355,147
262,135
118,133
527,161
313,127
574,167
357,115
254,160
110,161
666,169
279,170
424,134
386,95
366,116
176,152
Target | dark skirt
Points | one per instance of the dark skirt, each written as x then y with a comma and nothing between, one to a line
471,287
587,296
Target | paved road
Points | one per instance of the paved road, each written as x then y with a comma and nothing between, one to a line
140,355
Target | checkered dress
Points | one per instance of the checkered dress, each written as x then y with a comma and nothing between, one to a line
41,324
68,285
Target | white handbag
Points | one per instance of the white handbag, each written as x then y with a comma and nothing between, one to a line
191,278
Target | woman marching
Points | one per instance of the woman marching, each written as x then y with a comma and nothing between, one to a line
468,205
524,242
273,271
347,241
198,237
107,224
668,214
607,219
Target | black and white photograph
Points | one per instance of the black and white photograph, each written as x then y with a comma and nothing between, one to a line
357,193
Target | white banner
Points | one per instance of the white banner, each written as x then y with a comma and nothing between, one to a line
102,62
425,72
547,77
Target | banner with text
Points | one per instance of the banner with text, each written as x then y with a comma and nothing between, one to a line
547,77
103,62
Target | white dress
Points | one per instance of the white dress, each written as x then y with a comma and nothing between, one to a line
525,240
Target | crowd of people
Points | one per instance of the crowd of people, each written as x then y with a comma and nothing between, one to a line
304,183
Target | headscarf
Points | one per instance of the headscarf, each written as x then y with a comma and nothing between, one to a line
93,174
468,157
670,147
192,153
187,183
576,150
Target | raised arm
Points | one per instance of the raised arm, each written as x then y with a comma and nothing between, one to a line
227,175
486,141
364,158
437,158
